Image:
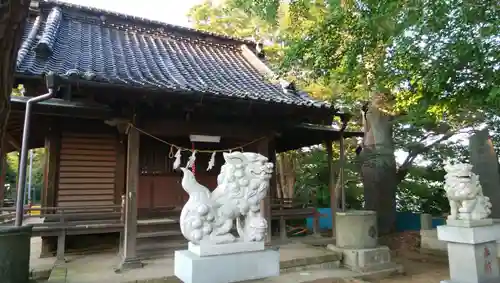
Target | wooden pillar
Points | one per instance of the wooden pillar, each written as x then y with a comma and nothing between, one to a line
341,171
265,206
129,256
120,181
3,172
331,184
121,168
50,184
273,188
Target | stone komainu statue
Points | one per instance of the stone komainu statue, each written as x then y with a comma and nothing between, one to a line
241,185
465,193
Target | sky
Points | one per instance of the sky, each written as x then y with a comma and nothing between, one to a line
169,11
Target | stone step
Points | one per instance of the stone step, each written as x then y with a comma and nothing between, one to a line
154,221
151,248
158,234
158,225
329,261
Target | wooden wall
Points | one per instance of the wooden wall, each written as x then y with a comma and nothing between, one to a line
86,166
159,184
87,169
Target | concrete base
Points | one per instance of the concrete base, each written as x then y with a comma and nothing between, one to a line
367,260
129,264
227,268
209,249
466,235
471,253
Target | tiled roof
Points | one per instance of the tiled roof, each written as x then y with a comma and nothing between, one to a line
112,48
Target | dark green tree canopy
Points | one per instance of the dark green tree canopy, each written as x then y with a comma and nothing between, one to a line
434,56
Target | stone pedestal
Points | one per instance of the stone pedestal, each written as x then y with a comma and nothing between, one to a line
367,260
356,229
233,248
357,239
235,262
472,252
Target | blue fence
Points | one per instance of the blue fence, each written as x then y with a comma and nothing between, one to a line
405,221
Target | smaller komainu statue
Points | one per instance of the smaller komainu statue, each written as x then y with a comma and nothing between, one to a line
465,193
241,185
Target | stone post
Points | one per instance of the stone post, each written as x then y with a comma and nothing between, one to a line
425,221
484,160
472,251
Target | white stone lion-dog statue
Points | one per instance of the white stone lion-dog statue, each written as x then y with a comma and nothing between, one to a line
241,185
465,193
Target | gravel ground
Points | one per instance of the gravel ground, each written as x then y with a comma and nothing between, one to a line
419,268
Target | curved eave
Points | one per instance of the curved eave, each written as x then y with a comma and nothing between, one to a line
324,109
305,135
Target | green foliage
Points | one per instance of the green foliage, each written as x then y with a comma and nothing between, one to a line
435,57
231,22
18,91
313,177
37,172
438,62
423,191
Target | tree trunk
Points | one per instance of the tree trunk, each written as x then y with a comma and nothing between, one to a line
12,22
378,167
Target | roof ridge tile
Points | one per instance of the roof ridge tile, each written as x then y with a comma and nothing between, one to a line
81,8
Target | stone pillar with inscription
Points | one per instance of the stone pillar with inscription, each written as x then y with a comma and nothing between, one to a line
484,160
469,232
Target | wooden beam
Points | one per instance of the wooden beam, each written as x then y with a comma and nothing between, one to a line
3,171
272,158
10,139
273,188
129,254
184,129
121,169
341,172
